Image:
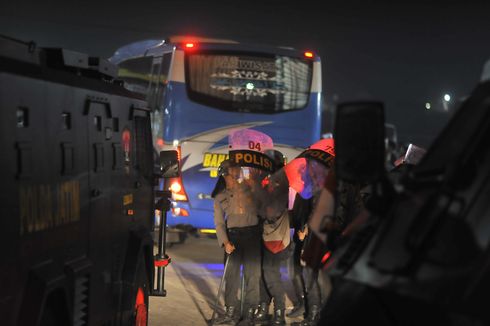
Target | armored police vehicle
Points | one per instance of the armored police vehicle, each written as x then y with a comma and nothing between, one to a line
77,173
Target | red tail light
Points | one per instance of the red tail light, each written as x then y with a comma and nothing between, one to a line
175,185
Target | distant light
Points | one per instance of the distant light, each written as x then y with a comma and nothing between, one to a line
427,106
176,142
189,45
447,98
250,86
309,54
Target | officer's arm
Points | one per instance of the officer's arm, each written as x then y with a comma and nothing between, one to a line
219,222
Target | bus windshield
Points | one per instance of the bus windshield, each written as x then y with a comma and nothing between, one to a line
248,83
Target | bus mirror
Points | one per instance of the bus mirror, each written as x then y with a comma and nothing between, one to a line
359,141
169,164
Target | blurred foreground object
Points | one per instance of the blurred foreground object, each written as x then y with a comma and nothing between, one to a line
420,256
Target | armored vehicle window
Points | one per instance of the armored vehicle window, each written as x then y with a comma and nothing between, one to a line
22,118
98,123
115,124
65,121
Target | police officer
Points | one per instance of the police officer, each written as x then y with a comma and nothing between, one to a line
319,160
273,258
239,233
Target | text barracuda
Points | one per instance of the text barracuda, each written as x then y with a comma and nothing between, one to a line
213,160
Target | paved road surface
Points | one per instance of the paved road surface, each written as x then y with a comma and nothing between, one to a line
192,281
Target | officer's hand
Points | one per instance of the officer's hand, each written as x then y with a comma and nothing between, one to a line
229,247
303,234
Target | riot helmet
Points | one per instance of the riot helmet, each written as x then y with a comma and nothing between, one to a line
277,157
308,171
224,167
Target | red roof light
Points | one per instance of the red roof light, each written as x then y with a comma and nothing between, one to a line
189,45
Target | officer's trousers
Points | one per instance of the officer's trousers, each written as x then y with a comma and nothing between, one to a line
247,242
271,267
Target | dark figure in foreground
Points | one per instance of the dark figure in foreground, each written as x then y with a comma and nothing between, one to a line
299,215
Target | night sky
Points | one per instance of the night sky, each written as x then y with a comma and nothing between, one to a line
405,54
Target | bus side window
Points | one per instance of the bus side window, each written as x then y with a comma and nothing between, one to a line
136,74
161,90
154,82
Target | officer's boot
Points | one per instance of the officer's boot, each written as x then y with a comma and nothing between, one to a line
229,317
279,317
312,317
299,305
262,314
314,314
249,317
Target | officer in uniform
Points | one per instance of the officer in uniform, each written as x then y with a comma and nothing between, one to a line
272,258
239,233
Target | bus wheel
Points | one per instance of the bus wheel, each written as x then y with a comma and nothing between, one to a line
140,308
